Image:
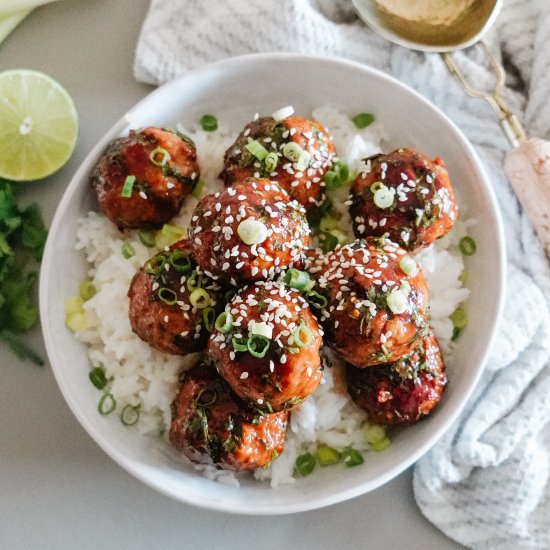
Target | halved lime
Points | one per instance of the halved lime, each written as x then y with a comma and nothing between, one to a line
38,125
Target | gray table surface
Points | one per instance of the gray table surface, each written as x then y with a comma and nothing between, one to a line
58,489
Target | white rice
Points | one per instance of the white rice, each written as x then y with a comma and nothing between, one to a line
142,375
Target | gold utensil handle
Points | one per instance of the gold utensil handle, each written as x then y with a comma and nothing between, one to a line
528,169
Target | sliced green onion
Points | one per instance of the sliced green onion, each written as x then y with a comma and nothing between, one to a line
193,281
169,234
327,223
374,433
405,288
167,295
292,151
127,251
97,377
327,456
156,264
303,161
209,123
304,464
75,304
77,321
362,120
342,170
341,237
130,415
257,149
379,446
252,231
375,186
208,318
331,179
159,156
239,345
224,322
261,329
147,238
257,345
199,298
467,246
456,333
271,161
128,187
87,289
297,338
107,404
383,197
180,261
397,301
459,318
197,190
408,266
327,241
352,457
299,280
316,300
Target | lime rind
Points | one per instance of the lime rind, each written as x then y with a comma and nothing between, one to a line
38,125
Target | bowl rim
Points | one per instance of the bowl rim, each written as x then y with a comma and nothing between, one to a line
242,507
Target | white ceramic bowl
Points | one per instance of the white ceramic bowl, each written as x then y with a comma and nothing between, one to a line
238,88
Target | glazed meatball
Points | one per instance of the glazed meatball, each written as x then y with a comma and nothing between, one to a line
165,310
376,300
405,195
294,152
402,392
249,232
210,425
141,180
267,347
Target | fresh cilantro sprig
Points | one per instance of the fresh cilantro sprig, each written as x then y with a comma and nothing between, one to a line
22,239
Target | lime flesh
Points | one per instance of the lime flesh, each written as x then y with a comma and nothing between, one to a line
38,125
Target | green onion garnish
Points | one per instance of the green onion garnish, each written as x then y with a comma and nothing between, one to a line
271,161
169,234
327,241
299,280
304,464
375,186
257,345
156,264
180,261
239,345
459,318
209,123
362,120
87,289
316,300
408,266
328,223
130,415
147,238
261,329
252,231
257,149
224,322
208,318
127,251
167,295
397,301
379,446
327,456
128,187
107,404
98,378
199,298
351,457
159,156
197,190
467,246
374,433
292,151
303,161
383,197
193,281
302,336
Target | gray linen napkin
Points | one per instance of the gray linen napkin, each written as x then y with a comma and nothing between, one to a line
486,482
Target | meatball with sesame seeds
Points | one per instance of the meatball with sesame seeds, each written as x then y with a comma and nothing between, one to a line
248,232
402,392
211,425
294,152
266,345
405,195
376,301
172,306
141,180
